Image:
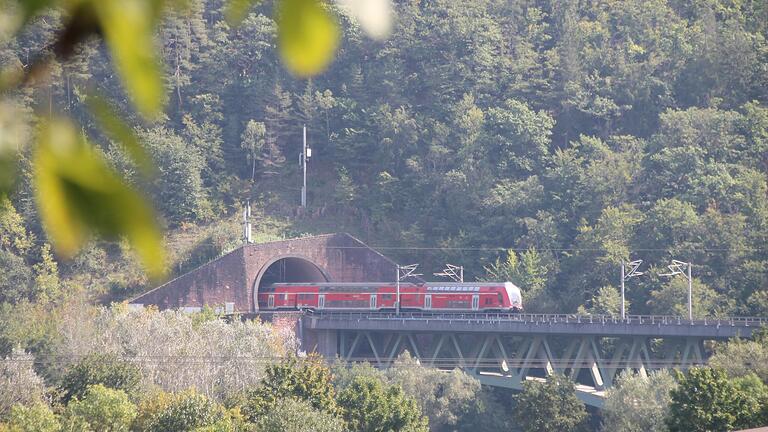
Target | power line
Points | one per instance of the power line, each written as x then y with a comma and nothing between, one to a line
560,362
504,249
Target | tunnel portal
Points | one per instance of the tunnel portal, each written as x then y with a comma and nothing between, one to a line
289,269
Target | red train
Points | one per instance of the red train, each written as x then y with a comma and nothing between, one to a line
380,296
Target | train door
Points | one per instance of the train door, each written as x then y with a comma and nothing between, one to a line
373,301
475,302
321,301
428,301
271,301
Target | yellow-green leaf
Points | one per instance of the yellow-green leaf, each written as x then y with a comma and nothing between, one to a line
78,194
237,10
307,36
128,27
117,130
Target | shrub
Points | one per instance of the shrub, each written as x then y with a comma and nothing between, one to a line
105,369
37,417
181,412
102,409
16,374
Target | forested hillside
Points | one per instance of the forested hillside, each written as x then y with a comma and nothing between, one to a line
574,134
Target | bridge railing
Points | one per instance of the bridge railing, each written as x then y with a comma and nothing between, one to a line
481,317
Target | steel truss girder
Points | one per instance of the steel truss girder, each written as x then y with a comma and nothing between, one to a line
591,361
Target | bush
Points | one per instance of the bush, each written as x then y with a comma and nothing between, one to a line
292,415
550,406
105,369
177,342
37,417
16,373
371,406
181,412
101,410
308,380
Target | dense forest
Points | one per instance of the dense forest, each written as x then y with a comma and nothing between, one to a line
538,141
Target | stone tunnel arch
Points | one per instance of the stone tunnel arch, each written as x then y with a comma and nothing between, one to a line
287,268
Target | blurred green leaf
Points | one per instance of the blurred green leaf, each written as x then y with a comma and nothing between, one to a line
307,36
237,10
78,194
117,130
128,27
374,16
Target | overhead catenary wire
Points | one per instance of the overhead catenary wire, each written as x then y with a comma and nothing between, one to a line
440,362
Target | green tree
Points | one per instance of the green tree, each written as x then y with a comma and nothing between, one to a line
371,406
15,278
106,369
36,417
607,301
180,412
291,415
100,409
706,400
179,186
14,237
345,191
638,403
46,276
252,141
526,270
672,299
307,380
740,357
549,406
444,397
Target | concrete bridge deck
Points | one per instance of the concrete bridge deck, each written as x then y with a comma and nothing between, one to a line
544,324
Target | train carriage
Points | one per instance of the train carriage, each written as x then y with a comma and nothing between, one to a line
381,296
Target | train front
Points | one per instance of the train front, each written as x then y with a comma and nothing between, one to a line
515,297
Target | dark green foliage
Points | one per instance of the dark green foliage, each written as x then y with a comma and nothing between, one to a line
706,400
106,369
369,405
307,380
550,406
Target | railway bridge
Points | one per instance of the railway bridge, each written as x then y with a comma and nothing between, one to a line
499,349
507,349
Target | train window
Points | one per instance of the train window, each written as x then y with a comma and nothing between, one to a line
428,301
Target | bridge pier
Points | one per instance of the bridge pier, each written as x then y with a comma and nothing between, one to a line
323,342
